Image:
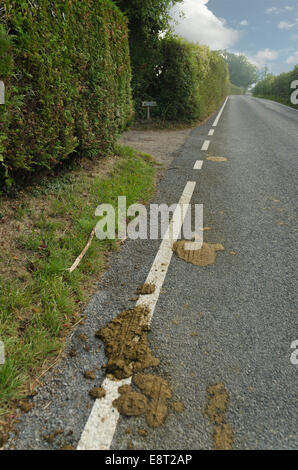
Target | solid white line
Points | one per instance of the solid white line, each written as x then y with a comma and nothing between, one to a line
211,132
198,165
220,112
101,425
205,145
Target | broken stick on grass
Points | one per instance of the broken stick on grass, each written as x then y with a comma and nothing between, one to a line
79,258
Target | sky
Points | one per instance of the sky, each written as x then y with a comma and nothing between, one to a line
266,31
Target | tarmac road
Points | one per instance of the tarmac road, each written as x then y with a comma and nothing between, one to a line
234,321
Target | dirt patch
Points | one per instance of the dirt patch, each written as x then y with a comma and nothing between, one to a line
146,289
3,439
26,406
73,352
158,391
152,402
205,256
126,344
130,403
126,347
82,337
97,392
163,145
89,375
50,437
178,406
223,437
67,447
130,445
217,404
214,158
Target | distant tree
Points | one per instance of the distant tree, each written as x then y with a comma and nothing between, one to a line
263,73
242,72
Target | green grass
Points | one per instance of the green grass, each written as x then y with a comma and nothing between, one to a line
40,303
277,100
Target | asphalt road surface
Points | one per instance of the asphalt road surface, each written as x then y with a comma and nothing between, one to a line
234,321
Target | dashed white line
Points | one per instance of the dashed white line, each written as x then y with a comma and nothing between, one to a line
220,112
211,132
101,425
205,145
198,165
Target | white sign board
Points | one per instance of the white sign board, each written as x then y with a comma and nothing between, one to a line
2,92
149,103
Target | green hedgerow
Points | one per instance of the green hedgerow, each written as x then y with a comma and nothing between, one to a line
190,82
277,88
67,74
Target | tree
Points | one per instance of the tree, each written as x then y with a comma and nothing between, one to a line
242,72
263,72
147,19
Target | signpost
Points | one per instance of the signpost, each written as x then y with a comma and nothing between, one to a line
2,353
148,105
2,92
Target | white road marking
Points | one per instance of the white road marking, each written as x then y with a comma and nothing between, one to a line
198,165
211,132
101,425
205,145
220,112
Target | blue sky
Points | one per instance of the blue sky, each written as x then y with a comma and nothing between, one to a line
266,31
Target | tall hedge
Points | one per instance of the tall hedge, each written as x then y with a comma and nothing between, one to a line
147,19
67,73
190,82
278,87
235,90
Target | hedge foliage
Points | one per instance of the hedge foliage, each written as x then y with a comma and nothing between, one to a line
147,20
190,82
67,73
235,90
277,88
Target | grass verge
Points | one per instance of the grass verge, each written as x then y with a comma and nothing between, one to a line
42,231
277,100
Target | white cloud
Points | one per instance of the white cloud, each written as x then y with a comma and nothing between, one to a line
277,11
286,25
293,59
262,57
200,25
243,23
272,10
